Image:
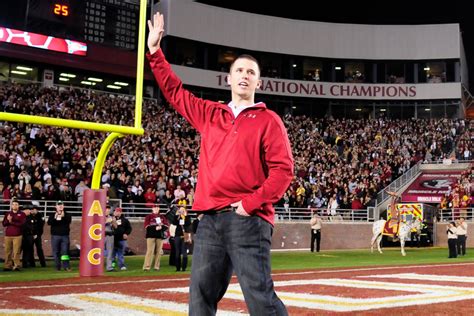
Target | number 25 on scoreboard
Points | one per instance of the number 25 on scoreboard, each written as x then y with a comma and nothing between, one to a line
61,9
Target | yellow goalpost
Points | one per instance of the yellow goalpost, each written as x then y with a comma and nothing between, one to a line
116,131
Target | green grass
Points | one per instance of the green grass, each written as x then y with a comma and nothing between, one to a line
280,261
360,258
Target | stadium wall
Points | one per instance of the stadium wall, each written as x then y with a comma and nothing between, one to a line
286,236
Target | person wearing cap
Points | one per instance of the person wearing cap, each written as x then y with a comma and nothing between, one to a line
60,222
38,226
121,233
13,222
155,226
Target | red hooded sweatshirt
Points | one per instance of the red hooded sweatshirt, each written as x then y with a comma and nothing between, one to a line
246,158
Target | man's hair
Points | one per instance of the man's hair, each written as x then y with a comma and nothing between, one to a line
249,57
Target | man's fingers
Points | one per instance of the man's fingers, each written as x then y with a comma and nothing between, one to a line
161,23
150,26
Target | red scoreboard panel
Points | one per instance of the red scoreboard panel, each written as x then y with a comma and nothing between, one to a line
35,40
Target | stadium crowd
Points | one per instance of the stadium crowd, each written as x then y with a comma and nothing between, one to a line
339,163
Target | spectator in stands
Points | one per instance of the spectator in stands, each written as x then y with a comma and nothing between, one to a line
150,197
13,222
79,190
121,233
60,222
155,227
266,179
179,193
332,206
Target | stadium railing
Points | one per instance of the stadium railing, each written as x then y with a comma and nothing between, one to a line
382,196
451,214
140,210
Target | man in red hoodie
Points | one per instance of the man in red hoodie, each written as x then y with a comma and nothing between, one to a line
245,165
13,222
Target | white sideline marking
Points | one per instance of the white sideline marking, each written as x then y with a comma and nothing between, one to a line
374,268
426,277
420,294
88,304
30,312
90,284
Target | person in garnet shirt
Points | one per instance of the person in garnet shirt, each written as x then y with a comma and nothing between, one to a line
245,166
155,226
13,222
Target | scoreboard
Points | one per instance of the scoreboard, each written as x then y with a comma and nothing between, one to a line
107,22
112,22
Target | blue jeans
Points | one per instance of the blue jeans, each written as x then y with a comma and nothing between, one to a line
60,245
227,242
119,250
109,251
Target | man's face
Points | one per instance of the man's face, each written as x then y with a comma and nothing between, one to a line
15,206
244,77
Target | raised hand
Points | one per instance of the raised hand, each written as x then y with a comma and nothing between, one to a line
156,30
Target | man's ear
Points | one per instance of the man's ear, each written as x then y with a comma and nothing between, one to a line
227,79
259,84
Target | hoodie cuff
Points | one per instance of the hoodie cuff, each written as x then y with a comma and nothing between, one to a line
251,206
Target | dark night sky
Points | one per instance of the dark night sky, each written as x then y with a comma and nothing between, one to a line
371,12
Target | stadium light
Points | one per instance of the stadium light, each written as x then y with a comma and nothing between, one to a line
427,109
383,110
19,72
111,86
337,68
118,83
426,68
88,83
24,68
68,75
63,79
95,79
358,109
